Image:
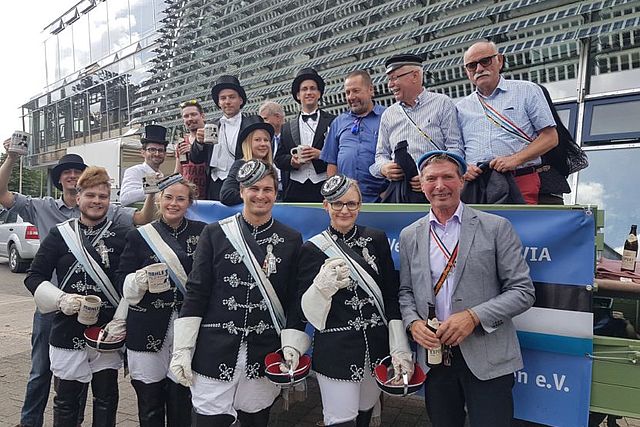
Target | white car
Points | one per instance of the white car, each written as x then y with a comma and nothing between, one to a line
19,241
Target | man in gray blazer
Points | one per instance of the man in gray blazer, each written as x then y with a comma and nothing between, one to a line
475,297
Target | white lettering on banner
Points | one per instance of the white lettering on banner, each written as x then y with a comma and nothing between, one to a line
535,254
522,377
394,244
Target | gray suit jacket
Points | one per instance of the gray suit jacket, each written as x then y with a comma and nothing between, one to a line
490,277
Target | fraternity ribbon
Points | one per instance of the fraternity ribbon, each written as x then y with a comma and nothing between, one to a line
326,244
451,260
71,236
503,122
231,228
165,254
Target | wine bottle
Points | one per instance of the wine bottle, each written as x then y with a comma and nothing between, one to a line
434,356
630,250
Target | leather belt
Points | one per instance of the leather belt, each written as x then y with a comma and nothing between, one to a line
530,169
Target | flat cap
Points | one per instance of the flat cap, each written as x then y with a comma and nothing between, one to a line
397,61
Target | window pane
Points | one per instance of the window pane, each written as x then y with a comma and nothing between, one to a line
51,49
616,193
615,118
141,18
119,24
99,32
81,46
65,47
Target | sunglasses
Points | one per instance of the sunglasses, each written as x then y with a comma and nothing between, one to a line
189,103
351,206
485,62
355,127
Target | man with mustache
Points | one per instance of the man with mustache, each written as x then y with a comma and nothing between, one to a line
193,119
426,120
351,142
504,122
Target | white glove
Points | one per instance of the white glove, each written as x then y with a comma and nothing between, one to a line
135,286
69,304
185,334
294,343
333,275
47,296
401,355
116,330
291,359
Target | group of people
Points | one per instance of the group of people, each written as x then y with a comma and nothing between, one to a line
247,286
502,130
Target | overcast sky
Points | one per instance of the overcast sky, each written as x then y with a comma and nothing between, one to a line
23,74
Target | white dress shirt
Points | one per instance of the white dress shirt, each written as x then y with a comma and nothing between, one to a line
224,152
131,190
307,134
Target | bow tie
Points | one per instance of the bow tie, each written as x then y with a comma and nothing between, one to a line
313,117
229,121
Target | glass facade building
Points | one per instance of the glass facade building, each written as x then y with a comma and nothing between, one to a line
116,64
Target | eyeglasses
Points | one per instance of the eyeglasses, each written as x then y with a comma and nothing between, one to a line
485,62
355,127
155,150
351,206
393,79
189,103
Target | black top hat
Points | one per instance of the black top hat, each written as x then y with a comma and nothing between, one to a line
228,82
335,187
154,133
244,133
306,74
397,61
66,162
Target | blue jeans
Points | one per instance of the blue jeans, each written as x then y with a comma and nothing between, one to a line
37,395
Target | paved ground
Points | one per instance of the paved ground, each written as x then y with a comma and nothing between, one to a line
16,310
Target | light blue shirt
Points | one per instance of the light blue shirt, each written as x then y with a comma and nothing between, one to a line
522,102
449,234
434,113
353,153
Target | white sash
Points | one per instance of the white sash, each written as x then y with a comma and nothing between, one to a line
231,228
165,254
329,247
72,238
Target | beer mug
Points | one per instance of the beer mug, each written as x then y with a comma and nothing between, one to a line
211,133
89,310
150,183
158,278
297,153
19,143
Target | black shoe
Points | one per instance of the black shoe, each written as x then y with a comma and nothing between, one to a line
151,400
104,386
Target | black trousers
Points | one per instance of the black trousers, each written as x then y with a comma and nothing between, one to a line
449,388
213,188
307,192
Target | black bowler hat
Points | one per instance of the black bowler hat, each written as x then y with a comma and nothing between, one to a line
66,162
397,61
228,82
306,74
154,134
244,133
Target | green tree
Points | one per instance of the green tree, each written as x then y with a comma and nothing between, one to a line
33,181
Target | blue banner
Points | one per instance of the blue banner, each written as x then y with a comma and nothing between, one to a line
554,386
558,245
